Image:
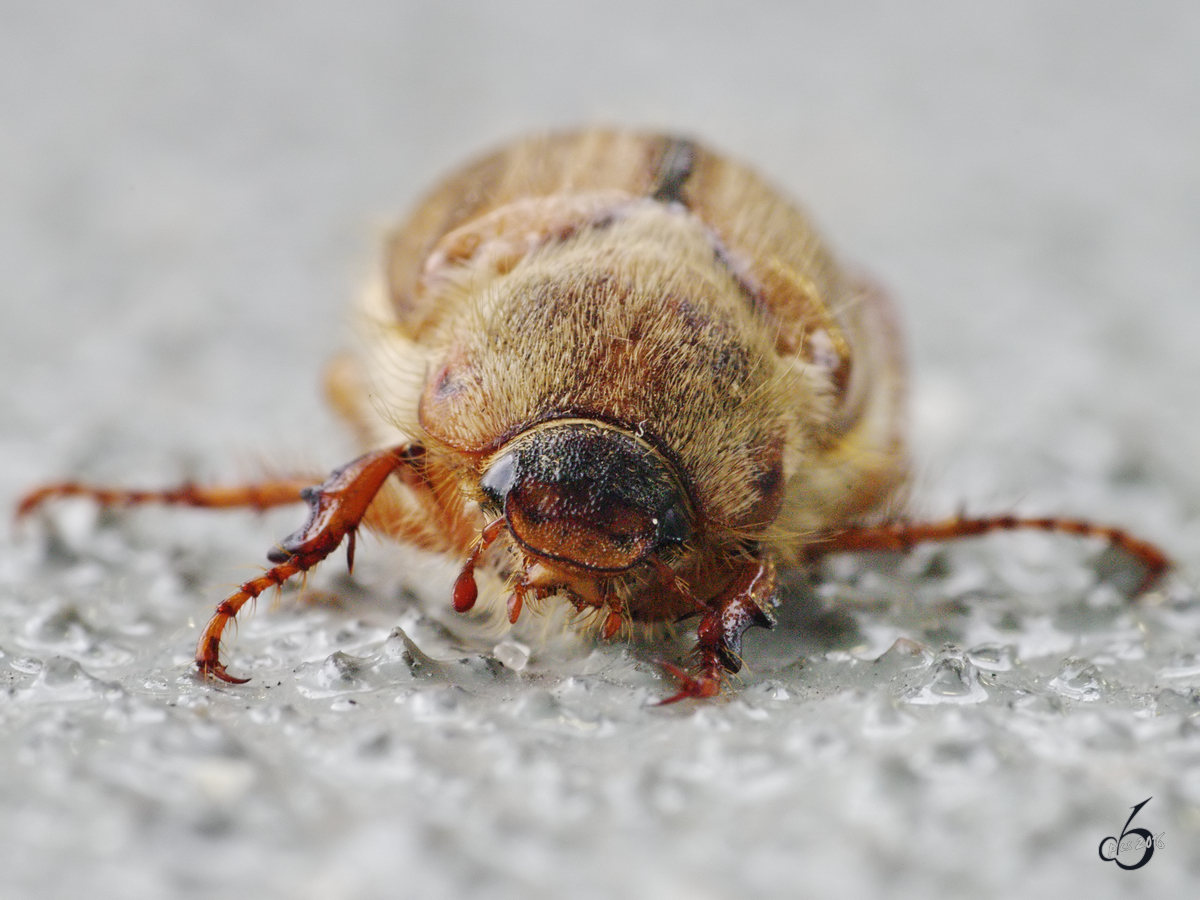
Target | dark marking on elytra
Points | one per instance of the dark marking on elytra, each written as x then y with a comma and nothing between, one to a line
769,481
445,383
675,167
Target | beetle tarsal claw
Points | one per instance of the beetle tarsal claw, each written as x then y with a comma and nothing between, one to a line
209,670
701,686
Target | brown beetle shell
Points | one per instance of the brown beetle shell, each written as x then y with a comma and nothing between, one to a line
642,282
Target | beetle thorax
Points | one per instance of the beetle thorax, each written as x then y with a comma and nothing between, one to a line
635,322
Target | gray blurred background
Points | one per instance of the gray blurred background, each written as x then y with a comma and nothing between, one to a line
189,195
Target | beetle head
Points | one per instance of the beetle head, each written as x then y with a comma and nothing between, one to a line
588,494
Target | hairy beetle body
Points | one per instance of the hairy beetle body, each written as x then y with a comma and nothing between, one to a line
643,286
618,370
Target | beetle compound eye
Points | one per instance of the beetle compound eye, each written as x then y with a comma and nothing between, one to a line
589,494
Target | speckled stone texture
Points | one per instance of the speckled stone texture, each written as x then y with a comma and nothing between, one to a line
189,195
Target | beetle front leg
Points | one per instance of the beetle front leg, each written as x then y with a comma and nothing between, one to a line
739,607
336,509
